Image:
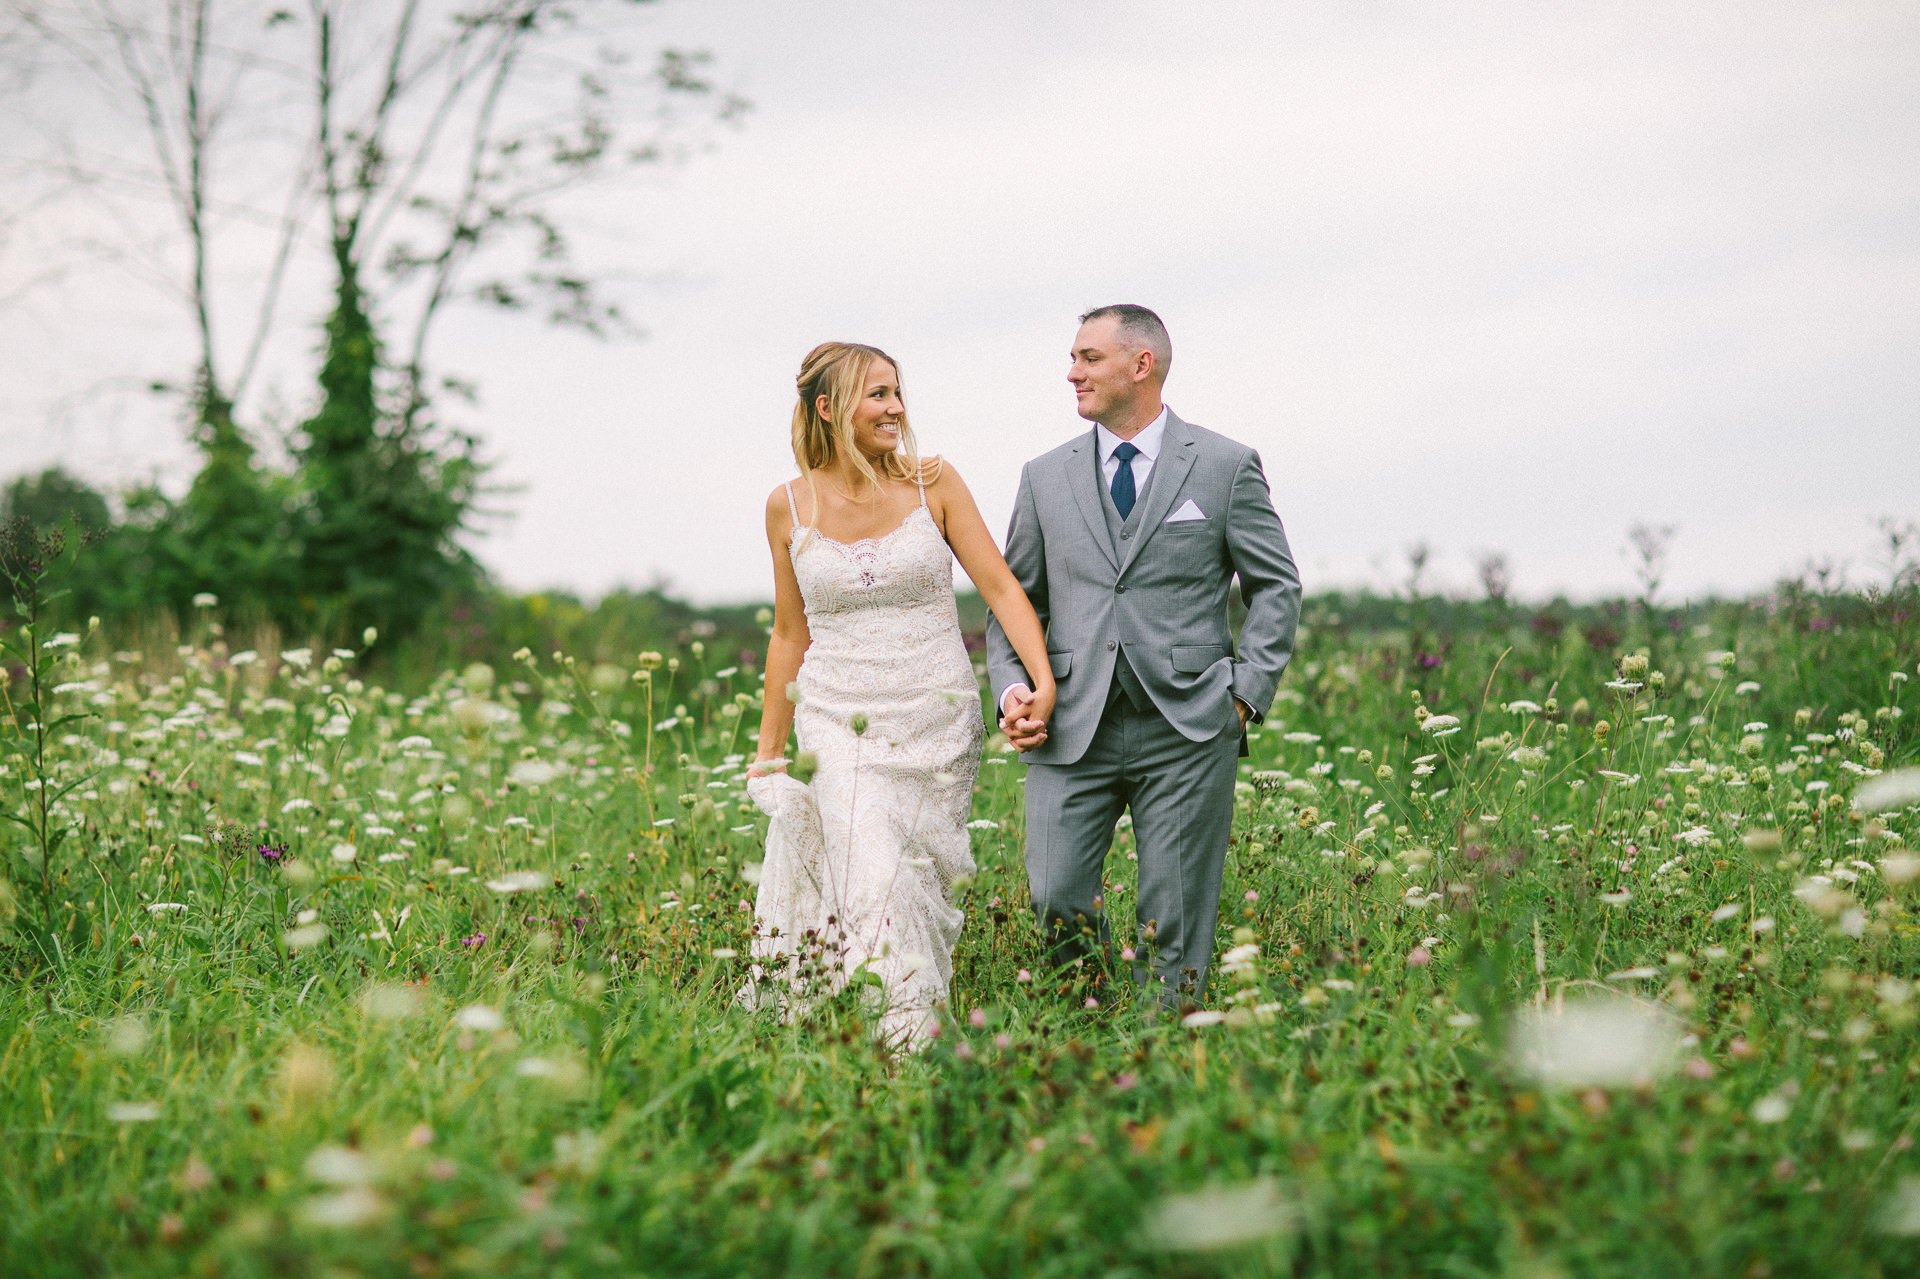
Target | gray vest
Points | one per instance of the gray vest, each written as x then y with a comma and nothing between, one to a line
1120,534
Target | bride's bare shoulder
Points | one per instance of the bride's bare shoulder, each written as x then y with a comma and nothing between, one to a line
935,471
785,500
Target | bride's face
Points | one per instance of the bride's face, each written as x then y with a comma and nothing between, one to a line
877,416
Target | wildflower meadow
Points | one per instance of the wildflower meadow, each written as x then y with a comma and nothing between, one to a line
1548,949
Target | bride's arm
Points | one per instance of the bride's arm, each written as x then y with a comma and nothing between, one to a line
978,554
788,643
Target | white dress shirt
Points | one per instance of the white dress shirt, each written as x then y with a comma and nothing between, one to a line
1148,442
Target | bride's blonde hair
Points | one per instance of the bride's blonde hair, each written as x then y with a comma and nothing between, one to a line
838,370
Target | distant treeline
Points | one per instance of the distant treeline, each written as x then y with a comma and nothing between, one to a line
163,570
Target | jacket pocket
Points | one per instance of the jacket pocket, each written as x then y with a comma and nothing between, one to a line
1061,664
1191,659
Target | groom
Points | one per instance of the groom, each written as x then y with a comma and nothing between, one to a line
1127,540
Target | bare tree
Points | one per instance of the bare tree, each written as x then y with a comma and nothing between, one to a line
1900,552
1418,553
1496,577
427,147
1646,551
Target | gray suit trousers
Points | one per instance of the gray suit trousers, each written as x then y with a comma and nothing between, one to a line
1181,796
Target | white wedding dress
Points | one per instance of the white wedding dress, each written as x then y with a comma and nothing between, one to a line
861,860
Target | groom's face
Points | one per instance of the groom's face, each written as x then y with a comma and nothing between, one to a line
1108,376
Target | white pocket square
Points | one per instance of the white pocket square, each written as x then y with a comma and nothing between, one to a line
1187,511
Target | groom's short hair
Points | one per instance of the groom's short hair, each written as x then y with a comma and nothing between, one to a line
1140,327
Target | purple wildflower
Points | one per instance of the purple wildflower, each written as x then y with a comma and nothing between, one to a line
272,854
478,939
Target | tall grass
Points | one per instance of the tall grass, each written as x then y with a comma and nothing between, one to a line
1548,951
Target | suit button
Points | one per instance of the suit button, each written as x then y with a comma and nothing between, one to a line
1120,590
1126,533
1110,646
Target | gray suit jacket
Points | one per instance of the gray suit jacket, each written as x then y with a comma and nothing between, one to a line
1163,595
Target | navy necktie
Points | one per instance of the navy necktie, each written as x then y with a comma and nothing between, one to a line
1123,479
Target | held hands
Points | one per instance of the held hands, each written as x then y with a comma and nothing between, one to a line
1024,715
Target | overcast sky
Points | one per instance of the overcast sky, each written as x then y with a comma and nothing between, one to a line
1493,277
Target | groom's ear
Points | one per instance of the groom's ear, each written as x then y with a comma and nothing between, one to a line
1143,365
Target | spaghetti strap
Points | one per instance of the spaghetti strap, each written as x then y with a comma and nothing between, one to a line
920,478
791,508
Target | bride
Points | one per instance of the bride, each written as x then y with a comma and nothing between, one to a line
867,666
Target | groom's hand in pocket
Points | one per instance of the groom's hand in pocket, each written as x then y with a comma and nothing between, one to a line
1017,721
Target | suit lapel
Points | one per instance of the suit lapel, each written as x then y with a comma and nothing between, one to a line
1083,481
1169,476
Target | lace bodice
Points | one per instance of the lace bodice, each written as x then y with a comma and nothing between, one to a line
849,584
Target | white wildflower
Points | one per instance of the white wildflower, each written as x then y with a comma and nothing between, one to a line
1596,1042
302,936
1900,868
1899,1212
479,1017
476,716
534,772
388,1001
1245,953
339,1166
1220,1217
1890,790
344,1209
125,1036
